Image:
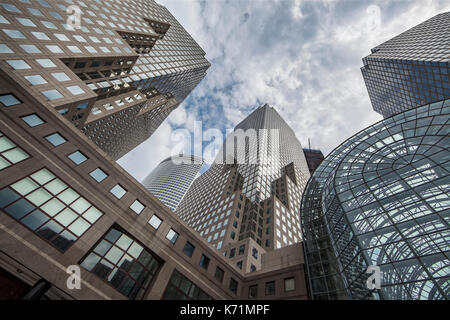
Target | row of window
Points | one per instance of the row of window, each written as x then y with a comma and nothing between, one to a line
289,286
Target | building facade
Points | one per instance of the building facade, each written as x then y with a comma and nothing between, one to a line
248,202
314,158
171,179
381,199
411,69
115,69
64,203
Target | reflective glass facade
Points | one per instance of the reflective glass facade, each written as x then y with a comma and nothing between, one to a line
411,69
258,195
382,199
171,179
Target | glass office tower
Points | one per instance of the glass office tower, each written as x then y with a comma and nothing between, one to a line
116,76
411,69
252,190
382,199
171,179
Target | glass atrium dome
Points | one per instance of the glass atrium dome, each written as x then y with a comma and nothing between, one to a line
382,198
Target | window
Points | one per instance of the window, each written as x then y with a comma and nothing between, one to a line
61,76
14,34
9,153
75,90
50,208
35,80
181,288
289,284
26,22
189,249
233,285
40,36
54,49
204,262
61,37
9,100
252,267
270,288
232,235
239,264
33,120
118,191
55,139
98,175
18,64
5,49
219,274
124,263
172,236
77,157
253,291
155,222
241,249
255,253
137,207
46,63
10,7
232,252
52,94
29,48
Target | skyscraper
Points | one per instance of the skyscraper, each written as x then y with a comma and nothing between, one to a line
248,202
381,199
411,69
171,179
314,158
116,72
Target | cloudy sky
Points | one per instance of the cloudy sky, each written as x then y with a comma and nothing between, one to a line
302,57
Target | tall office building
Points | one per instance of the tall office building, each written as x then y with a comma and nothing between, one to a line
116,72
248,202
411,69
381,199
171,179
314,158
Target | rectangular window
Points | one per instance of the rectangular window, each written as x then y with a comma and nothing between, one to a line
56,139
232,252
77,157
118,191
35,80
181,288
270,288
233,285
253,291
289,284
204,262
241,249
189,249
172,236
124,263
52,94
98,175
33,120
18,64
50,208
219,274
155,222
137,206
10,153
9,100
